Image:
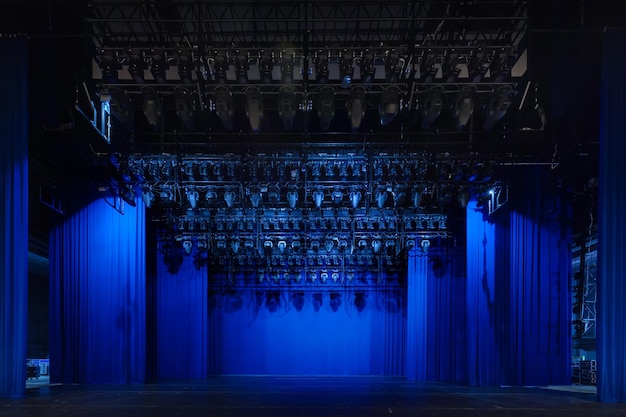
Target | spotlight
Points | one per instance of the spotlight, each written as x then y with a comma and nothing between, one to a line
318,197
381,197
287,106
152,108
241,68
255,197
167,195
336,195
183,103
355,197
187,245
368,71
433,103
266,65
224,108
136,67
389,105
463,197
346,70
184,69
127,193
192,197
235,244
158,68
393,67
220,67
229,197
356,107
254,108
425,244
497,106
416,197
326,107
321,66
286,67
148,197
463,108
292,197
109,66
478,65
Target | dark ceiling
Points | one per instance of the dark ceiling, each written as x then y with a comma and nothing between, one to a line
380,98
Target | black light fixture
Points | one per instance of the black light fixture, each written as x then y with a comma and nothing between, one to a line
326,107
158,67
366,66
287,106
185,66
266,66
389,105
356,107
478,65
286,67
254,108
463,107
346,70
109,65
220,67
152,107
224,107
496,106
321,68
183,102
242,66
393,67
136,66
431,109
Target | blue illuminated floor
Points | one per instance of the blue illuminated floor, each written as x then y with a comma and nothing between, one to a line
302,397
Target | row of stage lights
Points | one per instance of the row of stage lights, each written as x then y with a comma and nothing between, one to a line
345,74
165,168
398,196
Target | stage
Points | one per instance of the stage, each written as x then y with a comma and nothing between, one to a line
303,396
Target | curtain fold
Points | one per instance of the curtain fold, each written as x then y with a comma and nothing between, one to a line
417,316
611,286
13,214
482,354
98,295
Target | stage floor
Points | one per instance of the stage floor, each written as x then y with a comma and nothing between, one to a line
301,396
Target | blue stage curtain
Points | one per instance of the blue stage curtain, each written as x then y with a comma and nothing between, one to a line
417,316
98,295
482,354
181,309
13,214
532,298
611,305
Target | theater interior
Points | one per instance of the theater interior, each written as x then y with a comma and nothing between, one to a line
312,207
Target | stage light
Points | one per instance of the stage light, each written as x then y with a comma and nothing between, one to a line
399,196
497,106
287,106
324,277
292,197
183,103
381,197
109,66
148,197
318,197
368,71
152,107
416,196
463,197
449,69
192,197
444,196
224,107
393,67
220,67
286,67
326,107
136,67
167,195
184,69
346,70
241,68
295,246
235,244
337,196
431,109
425,244
321,67
282,246
211,195
463,108
158,68
255,196
254,108
478,65
202,245
187,246
355,197
266,65
229,197
273,194
389,105
329,245
356,107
